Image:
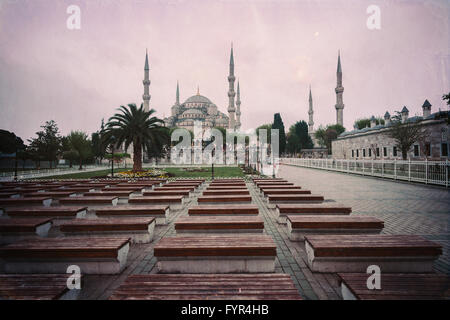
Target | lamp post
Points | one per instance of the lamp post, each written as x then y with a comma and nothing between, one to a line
112,156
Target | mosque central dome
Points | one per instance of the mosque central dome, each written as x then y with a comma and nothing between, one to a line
198,99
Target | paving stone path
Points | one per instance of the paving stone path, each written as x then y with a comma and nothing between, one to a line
405,208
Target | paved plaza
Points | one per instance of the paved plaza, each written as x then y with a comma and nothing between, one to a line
405,208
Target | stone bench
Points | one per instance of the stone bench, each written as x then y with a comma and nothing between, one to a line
90,202
299,226
54,255
159,212
216,254
140,230
168,188
273,183
226,188
231,192
280,187
33,189
354,253
275,199
283,210
219,224
396,286
55,195
228,210
123,195
180,192
79,190
135,190
48,212
37,287
224,199
21,202
175,202
17,229
227,184
267,192
9,195
262,286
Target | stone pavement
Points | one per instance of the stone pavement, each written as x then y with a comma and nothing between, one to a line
405,208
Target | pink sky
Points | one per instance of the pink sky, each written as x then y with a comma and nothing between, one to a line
78,77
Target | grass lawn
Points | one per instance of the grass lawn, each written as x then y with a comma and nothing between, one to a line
178,172
218,172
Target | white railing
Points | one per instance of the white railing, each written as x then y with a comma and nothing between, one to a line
41,173
429,172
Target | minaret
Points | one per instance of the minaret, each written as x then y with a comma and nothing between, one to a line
146,82
238,108
231,93
339,91
310,113
177,102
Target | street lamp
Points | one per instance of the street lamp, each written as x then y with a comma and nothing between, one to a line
112,156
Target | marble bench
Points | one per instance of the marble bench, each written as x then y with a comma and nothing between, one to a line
21,202
159,212
396,286
259,286
224,210
179,192
90,202
175,202
230,199
55,255
308,209
212,188
299,226
268,192
216,254
231,192
219,224
274,199
48,212
37,287
16,229
354,253
139,230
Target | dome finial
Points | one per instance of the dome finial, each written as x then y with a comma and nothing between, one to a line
198,90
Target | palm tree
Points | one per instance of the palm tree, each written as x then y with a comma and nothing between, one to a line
136,126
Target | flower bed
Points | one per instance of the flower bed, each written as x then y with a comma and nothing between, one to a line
150,173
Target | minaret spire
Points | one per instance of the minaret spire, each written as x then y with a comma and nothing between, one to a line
339,92
238,107
146,96
310,113
231,93
177,102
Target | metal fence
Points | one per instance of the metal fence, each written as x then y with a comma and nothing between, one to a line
429,172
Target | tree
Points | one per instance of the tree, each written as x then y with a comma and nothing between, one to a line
326,135
133,125
10,143
406,134
365,122
446,97
278,124
298,137
98,151
80,145
47,145
71,156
